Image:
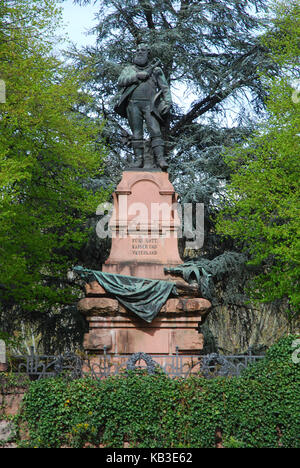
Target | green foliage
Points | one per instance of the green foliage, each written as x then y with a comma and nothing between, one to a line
263,196
283,38
208,272
259,409
48,152
10,382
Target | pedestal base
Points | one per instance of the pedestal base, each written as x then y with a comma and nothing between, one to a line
121,332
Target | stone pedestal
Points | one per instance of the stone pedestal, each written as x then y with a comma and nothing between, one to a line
122,332
144,226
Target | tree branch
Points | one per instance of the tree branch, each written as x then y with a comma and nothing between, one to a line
199,109
148,13
166,23
108,115
210,101
131,25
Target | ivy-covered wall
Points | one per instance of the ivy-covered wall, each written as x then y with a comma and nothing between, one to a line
259,409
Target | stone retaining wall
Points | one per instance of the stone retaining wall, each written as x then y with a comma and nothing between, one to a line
10,404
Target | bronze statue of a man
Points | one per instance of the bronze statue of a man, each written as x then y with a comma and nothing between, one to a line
145,97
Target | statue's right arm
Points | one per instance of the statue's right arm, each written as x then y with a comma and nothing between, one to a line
127,77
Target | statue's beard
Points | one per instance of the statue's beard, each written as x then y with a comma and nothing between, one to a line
141,60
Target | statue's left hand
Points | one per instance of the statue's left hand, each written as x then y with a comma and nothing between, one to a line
143,76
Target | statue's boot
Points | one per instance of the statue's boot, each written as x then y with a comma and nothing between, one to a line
138,149
159,155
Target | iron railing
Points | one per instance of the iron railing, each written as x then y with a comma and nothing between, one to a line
106,365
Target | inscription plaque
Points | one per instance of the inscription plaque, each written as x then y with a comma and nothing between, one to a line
144,246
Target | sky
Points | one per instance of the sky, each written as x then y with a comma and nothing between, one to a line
78,20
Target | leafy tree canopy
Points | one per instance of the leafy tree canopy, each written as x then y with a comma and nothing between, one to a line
263,197
47,151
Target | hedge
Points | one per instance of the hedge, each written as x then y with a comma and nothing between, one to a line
256,410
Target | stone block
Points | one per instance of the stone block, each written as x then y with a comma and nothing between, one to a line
3,367
126,334
96,305
6,430
186,305
10,402
94,289
186,340
96,339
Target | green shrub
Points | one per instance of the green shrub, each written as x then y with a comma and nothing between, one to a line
258,409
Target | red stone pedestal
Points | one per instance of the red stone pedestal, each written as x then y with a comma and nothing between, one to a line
122,332
145,226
